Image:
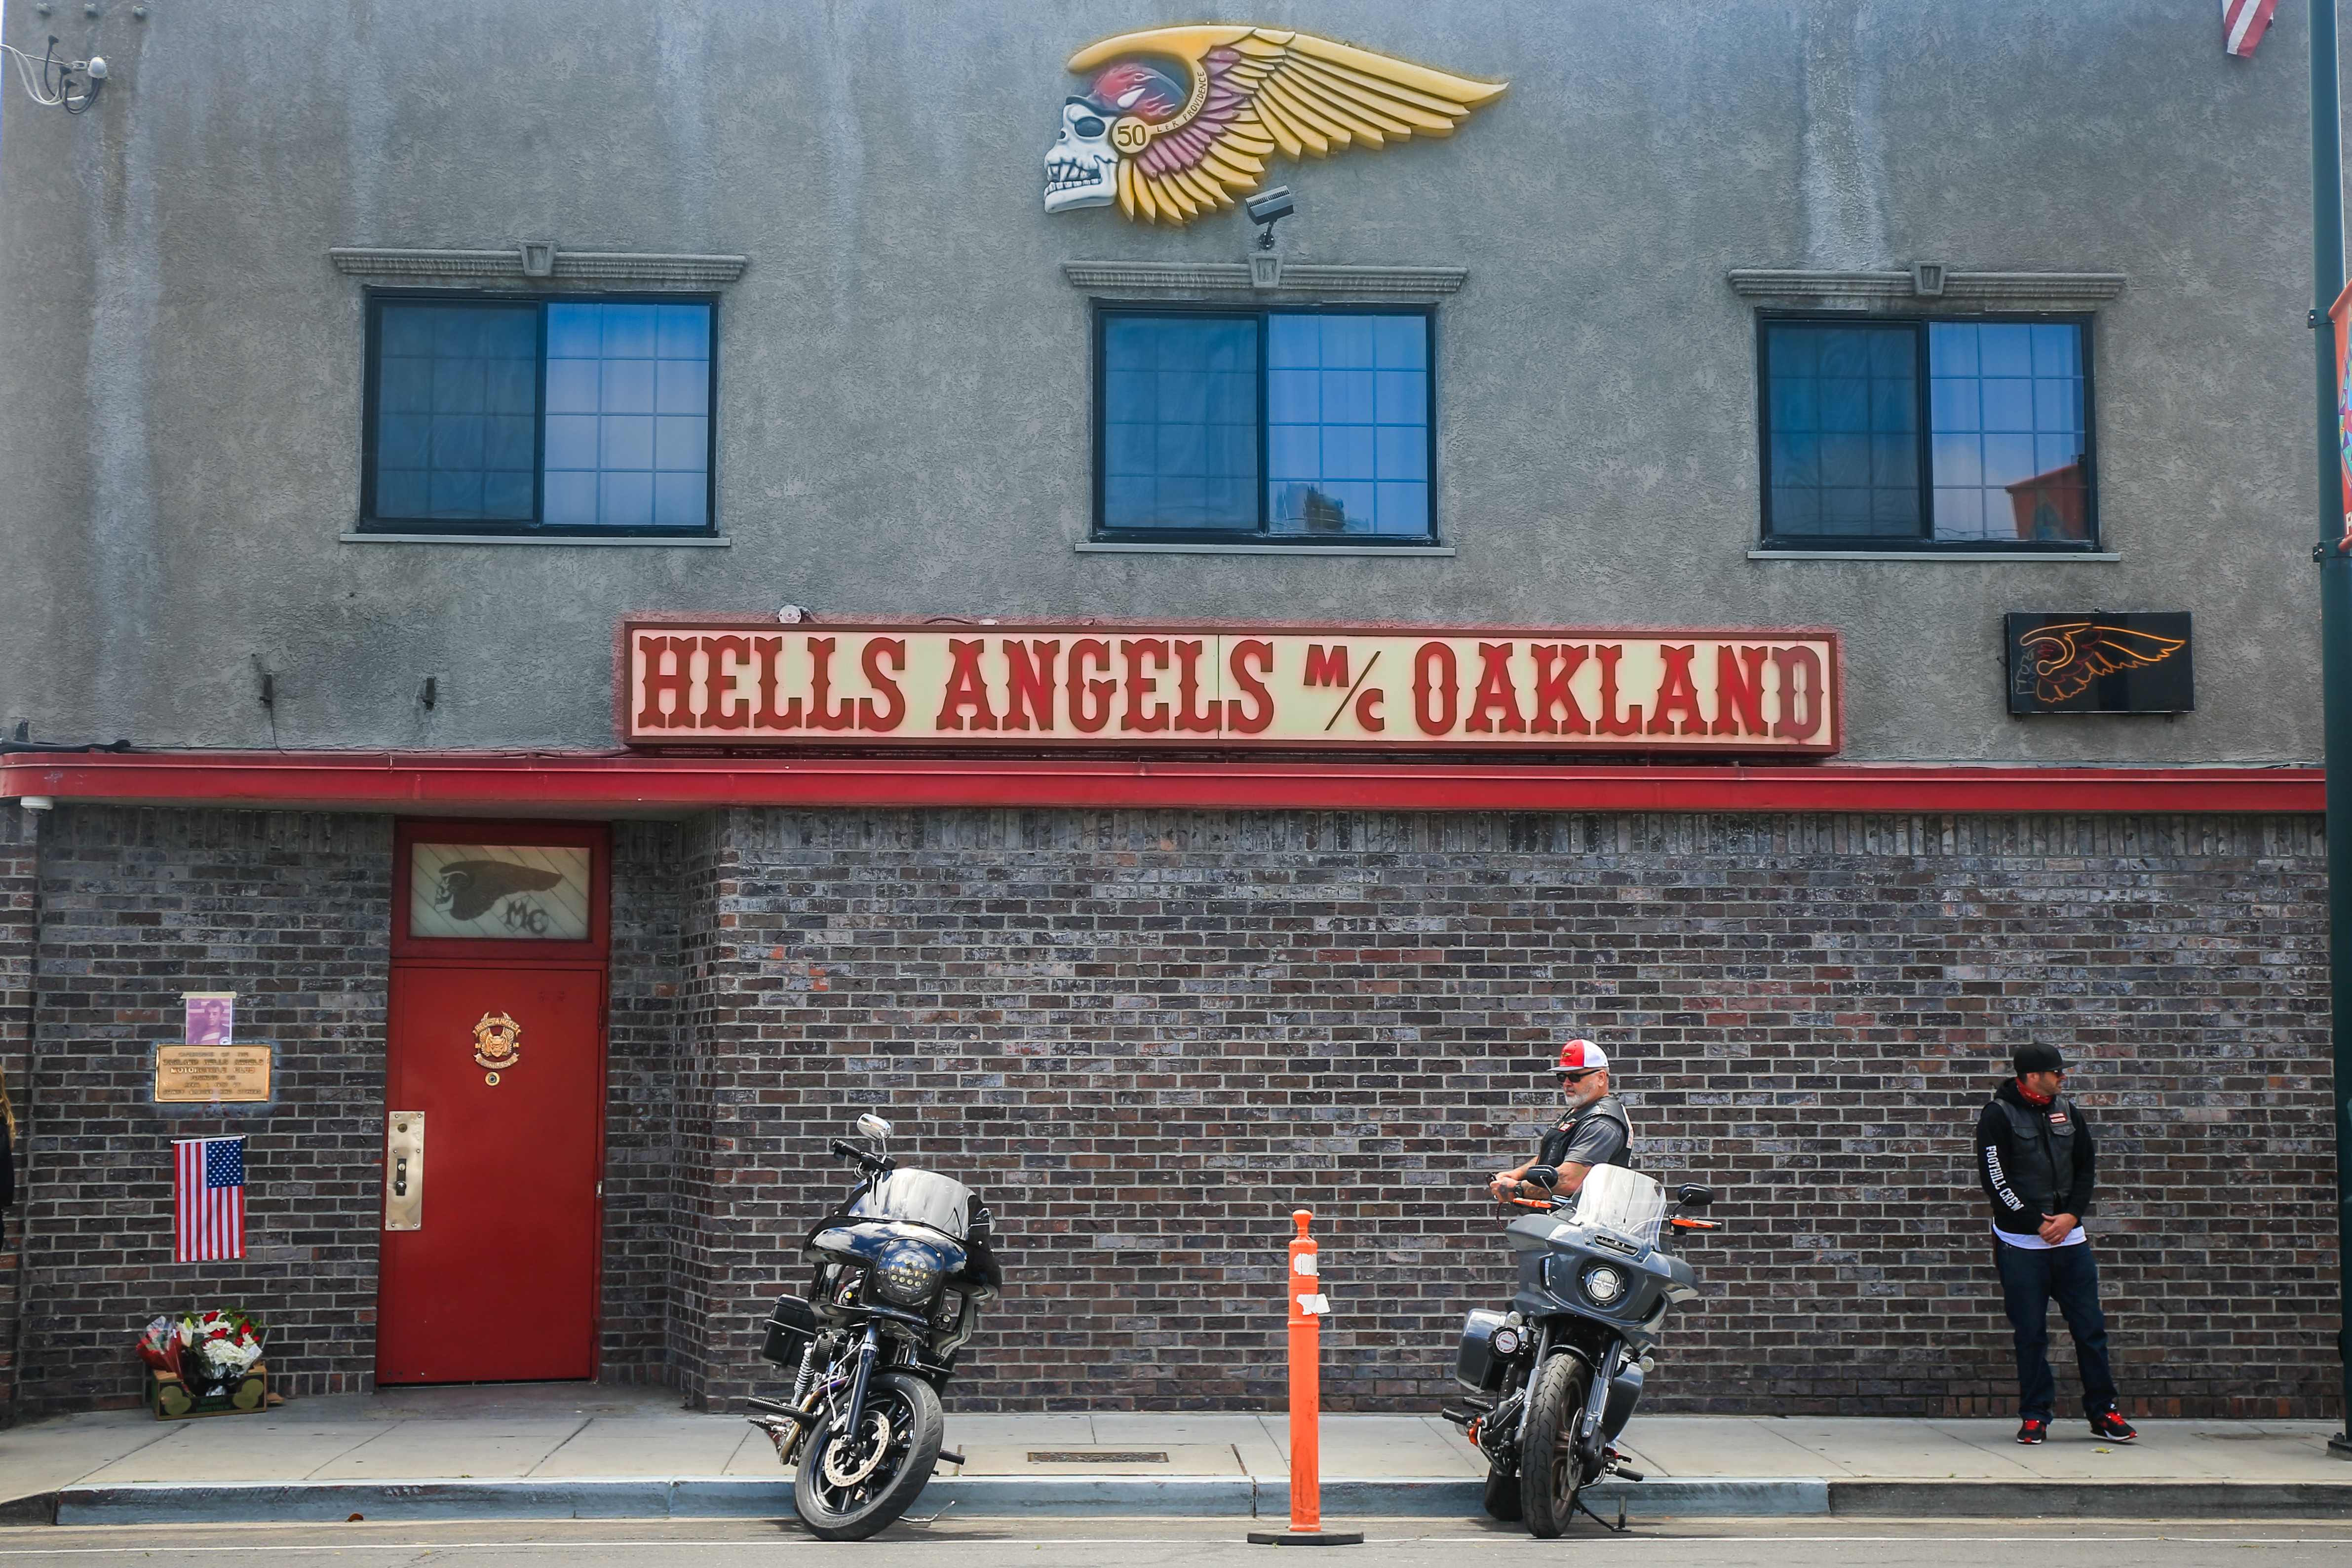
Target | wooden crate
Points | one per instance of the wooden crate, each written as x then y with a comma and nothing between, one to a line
173,1399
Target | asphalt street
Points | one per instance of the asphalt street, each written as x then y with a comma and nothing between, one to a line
1171,1543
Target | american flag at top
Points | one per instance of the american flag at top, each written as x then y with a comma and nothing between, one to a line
2243,22
208,1180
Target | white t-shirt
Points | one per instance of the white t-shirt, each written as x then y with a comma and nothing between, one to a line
2031,1240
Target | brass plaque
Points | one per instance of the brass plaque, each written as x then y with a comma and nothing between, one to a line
201,1074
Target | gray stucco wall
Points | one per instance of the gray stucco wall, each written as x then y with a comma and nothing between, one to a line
905,391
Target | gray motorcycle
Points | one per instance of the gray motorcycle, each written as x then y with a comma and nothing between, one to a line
873,1343
1552,1382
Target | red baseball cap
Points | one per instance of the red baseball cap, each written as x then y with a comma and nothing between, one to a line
1582,1056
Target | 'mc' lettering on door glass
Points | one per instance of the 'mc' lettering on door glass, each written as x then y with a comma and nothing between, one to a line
515,891
1094,685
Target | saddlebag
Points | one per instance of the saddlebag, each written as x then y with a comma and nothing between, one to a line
790,1327
1476,1367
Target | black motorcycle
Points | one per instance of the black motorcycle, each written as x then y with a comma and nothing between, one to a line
899,1280
1552,1382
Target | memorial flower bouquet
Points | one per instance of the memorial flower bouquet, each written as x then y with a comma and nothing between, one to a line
208,1346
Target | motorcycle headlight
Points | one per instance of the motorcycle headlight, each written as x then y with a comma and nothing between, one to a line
908,1274
1604,1284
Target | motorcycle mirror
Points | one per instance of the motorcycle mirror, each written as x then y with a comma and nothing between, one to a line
874,1127
1694,1196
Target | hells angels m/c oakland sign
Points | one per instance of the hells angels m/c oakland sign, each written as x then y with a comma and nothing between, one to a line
732,681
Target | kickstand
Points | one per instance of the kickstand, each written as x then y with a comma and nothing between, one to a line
1620,1528
934,1519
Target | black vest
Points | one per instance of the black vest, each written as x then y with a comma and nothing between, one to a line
1556,1142
2041,1151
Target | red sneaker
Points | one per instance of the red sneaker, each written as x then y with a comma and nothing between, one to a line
2033,1429
2109,1426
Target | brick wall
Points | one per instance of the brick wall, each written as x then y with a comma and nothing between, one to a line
292,912
1148,1037
18,900
640,1282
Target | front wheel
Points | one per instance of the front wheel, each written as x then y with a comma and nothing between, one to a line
1549,1472
852,1484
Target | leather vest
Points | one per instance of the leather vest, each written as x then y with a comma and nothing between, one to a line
1563,1133
2042,1152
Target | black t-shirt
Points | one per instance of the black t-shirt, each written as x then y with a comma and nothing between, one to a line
1594,1135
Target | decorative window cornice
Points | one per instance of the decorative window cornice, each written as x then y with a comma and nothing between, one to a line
536,263
1927,282
1292,277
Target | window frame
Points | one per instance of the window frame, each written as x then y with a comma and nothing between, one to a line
1925,543
372,374
1106,310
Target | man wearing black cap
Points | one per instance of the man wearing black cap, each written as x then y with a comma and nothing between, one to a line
2034,1156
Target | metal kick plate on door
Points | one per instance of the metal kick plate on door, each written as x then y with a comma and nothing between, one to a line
404,1170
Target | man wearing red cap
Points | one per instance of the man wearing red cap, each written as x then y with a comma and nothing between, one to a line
1593,1131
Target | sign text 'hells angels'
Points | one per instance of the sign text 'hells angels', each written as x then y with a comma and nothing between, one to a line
737,683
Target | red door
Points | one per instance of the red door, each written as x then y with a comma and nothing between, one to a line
494,1096
497,1281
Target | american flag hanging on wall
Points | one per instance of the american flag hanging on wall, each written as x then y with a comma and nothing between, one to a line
208,1180
2243,22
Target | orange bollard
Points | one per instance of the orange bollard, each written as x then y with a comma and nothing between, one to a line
1303,1287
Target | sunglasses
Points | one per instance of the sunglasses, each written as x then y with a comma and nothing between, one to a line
1578,1076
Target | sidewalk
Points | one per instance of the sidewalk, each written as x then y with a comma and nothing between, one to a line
575,1450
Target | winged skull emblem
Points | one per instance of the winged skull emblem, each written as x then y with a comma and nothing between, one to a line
2062,658
1176,121
468,888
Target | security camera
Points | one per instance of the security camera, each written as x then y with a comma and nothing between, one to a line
1268,207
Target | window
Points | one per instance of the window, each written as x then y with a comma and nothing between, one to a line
2004,462
1276,426
517,416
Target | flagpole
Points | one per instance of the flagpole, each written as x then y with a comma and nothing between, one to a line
2335,642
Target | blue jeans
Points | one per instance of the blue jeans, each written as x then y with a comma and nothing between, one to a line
2031,1278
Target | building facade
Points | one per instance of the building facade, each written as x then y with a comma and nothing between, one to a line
667,577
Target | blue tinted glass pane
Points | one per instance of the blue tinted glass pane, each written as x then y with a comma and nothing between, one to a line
680,500
571,499
624,500
456,404
627,399
1844,452
2021,385
573,332
681,386
1180,431
1293,342
1366,420
1401,343
625,444
679,444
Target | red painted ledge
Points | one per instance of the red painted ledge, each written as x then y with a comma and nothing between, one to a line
591,784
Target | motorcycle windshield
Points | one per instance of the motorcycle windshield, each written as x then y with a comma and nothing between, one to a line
1623,1201
918,1198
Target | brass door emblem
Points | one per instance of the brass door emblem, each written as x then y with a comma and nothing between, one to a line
498,1044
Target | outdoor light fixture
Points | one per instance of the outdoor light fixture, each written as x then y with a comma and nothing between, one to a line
1266,209
72,86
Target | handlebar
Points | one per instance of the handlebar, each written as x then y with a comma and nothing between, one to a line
872,1165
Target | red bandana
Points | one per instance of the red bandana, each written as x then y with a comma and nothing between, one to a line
2031,1097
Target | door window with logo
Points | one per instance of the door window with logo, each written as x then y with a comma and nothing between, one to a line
499,891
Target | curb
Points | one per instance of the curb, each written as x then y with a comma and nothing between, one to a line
1229,1497
2107,1500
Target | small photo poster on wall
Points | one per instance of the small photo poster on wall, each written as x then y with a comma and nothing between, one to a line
208,1018
513,892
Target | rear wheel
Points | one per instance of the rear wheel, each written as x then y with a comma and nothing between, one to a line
1502,1499
1550,1472
853,1484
